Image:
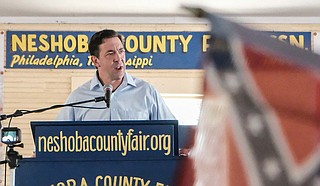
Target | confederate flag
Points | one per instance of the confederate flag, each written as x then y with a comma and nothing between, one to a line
260,117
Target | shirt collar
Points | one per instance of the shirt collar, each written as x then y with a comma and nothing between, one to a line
95,83
130,80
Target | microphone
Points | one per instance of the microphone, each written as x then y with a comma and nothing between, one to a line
108,91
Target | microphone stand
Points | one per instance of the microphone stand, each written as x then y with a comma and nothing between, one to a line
12,155
18,113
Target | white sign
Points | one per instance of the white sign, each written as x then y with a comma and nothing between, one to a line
316,44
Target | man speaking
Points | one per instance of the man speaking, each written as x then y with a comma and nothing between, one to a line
127,97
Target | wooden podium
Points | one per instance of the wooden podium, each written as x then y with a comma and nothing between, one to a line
104,153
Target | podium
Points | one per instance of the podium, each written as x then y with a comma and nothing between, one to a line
104,153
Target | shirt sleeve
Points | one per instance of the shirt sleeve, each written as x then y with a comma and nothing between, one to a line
161,111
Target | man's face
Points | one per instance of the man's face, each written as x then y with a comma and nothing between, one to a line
111,61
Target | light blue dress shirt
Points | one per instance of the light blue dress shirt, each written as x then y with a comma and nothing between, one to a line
134,99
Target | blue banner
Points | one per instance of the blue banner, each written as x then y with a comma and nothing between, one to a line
144,50
100,139
298,39
108,172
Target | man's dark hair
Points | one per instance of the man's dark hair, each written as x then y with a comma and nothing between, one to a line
98,37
